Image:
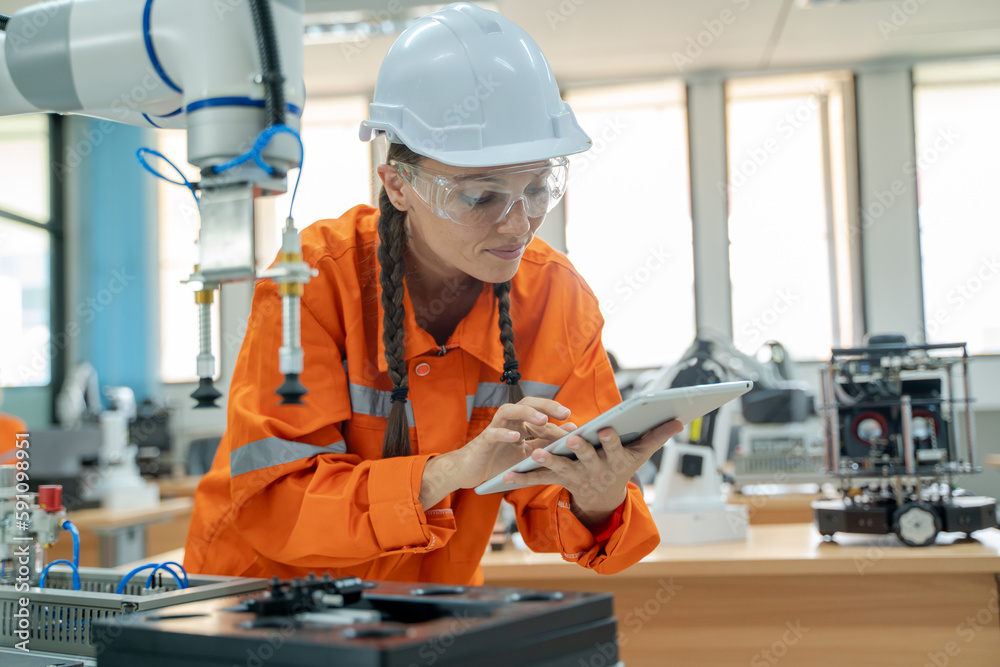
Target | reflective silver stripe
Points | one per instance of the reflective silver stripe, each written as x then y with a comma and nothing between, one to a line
494,394
540,389
490,395
273,451
375,402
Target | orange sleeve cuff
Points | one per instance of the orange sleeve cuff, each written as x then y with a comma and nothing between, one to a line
603,533
397,518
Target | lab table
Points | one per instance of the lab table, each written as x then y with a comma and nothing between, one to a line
787,596
111,537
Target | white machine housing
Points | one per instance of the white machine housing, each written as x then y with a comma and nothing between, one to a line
689,506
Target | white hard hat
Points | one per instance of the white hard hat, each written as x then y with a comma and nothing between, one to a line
469,88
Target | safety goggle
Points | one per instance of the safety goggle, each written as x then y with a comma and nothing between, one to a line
484,199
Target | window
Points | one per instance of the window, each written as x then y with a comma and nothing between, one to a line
793,260
337,176
957,144
337,168
25,251
179,222
628,218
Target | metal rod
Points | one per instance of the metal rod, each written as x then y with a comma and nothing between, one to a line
290,318
205,328
290,355
908,433
831,412
949,419
970,429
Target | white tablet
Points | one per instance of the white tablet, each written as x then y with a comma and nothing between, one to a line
631,419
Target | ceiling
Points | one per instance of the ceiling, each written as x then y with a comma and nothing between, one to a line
607,40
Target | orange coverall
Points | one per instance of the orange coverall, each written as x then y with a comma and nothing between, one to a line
296,489
10,426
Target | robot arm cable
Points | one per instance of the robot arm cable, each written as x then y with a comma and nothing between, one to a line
141,156
270,63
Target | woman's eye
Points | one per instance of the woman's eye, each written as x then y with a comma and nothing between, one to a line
478,199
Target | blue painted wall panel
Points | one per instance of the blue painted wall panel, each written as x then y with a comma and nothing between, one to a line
117,280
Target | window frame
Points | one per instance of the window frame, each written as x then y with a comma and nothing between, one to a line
937,75
55,227
841,186
635,94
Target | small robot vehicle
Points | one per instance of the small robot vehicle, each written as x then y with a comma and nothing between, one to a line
894,443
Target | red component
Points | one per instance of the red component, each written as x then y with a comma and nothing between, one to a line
50,497
878,417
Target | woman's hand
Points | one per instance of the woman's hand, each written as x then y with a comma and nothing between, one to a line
501,444
507,440
598,479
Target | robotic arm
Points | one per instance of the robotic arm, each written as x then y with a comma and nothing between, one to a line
226,71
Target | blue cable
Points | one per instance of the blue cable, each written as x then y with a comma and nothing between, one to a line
68,525
128,577
141,156
256,154
61,561
163,566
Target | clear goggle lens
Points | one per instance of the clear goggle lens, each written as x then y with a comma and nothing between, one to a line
486,199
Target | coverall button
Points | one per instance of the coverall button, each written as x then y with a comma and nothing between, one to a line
422,369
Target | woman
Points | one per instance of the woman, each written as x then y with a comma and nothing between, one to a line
443,343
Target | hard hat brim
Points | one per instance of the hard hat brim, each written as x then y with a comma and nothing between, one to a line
491,156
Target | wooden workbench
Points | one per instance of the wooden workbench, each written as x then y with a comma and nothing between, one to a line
780,508
159,528
862,600
178,487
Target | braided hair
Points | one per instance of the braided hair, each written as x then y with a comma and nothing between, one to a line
392,242
510,372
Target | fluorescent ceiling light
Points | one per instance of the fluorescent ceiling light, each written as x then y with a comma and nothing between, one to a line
363,24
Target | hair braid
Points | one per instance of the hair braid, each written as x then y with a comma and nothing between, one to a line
510,367
390,259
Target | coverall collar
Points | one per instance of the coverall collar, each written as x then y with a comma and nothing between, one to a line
478,333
